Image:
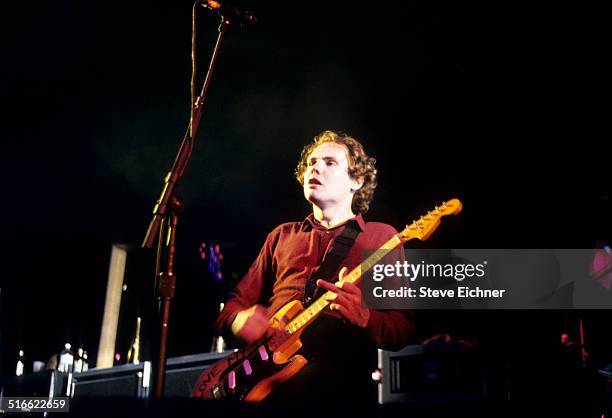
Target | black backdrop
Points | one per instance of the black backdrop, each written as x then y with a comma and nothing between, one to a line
499,105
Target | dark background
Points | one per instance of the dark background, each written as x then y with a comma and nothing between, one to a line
499,105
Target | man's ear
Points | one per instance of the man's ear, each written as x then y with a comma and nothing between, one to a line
357,184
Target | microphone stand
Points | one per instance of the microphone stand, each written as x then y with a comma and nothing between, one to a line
166,280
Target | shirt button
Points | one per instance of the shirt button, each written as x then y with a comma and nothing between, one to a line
327,232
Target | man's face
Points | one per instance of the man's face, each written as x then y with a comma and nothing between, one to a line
326,179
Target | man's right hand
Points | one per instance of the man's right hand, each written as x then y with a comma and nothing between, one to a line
251,324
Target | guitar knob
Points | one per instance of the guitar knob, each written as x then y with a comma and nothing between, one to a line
377,375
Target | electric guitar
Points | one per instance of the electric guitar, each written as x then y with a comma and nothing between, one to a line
251,373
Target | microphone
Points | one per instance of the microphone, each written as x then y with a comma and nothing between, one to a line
225,9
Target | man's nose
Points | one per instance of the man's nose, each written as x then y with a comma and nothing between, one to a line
318,166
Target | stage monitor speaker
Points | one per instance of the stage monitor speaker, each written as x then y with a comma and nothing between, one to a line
183,372
134,380
427,373
45,383
128,380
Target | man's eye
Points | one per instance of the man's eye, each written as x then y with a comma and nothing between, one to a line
331,162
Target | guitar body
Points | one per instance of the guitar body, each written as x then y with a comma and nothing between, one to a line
251,373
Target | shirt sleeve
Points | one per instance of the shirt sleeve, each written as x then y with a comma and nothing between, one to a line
252,289
391,329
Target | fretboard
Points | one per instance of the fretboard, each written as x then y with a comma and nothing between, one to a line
312,312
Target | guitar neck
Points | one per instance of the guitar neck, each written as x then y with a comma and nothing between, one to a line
309,314
420,229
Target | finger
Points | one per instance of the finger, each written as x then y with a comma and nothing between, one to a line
344,312
346,300
351,288
329,296
334,314
342,273
327,285
335,292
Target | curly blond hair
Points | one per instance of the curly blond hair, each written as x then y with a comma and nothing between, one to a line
361,167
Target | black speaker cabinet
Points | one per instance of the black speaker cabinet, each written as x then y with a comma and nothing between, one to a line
182,372
128,380
429,373
45,383
134,380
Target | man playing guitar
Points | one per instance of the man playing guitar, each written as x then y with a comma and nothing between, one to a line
338,179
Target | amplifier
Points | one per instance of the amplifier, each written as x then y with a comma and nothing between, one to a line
134,380
129,380
45,383
429,373
183,372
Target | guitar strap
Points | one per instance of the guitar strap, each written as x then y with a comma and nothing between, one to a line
331,263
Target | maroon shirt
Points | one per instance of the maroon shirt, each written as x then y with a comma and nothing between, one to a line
292,252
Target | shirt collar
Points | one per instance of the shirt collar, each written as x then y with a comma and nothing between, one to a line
310,223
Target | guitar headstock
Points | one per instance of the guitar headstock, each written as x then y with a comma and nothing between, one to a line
427,224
